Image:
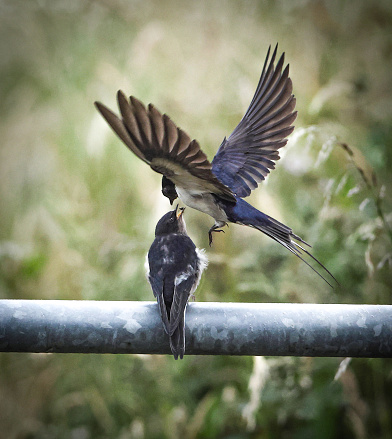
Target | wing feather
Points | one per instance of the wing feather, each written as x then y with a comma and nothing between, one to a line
180,301
246,157
157,289
156,140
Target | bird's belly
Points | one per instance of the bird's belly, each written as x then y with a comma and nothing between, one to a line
202,201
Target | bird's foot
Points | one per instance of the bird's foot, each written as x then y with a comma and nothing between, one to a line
214,228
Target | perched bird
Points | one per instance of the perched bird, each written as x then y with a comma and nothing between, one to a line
174,267
243,160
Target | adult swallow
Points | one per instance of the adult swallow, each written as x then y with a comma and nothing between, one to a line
243,160
174,268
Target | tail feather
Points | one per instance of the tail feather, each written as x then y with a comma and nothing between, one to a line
284,236
316,260
177,340
244,213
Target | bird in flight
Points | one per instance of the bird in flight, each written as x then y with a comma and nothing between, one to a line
174,268
243,160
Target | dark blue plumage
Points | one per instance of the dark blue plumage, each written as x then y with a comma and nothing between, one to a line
174,267
243,160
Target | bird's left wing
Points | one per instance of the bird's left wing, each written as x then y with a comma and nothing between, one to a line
246,157
156,140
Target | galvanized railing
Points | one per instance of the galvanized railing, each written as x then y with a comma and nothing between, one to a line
211,328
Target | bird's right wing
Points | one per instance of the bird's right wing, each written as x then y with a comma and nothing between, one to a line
157,289
182,291
156,140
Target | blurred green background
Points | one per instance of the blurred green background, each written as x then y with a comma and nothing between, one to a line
78,210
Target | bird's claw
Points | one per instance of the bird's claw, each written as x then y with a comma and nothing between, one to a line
210,235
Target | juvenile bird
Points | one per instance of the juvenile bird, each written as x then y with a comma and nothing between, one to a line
243,160
174,268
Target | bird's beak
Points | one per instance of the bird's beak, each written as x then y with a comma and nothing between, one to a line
179,212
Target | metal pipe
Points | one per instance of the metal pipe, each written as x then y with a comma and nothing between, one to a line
211,328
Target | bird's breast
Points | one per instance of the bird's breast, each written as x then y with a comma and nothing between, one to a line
202,201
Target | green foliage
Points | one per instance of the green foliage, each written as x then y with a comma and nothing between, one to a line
79,210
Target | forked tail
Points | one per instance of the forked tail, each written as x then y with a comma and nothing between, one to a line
177,340
285,236
279,232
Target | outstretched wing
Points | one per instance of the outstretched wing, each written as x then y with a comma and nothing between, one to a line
246,157
156,140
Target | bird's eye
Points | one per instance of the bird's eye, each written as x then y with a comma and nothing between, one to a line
171,220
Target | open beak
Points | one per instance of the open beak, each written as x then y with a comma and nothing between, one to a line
179,211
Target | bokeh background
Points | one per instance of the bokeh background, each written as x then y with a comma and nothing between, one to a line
78,210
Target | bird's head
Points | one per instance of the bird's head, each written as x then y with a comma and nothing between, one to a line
171,222
169,189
